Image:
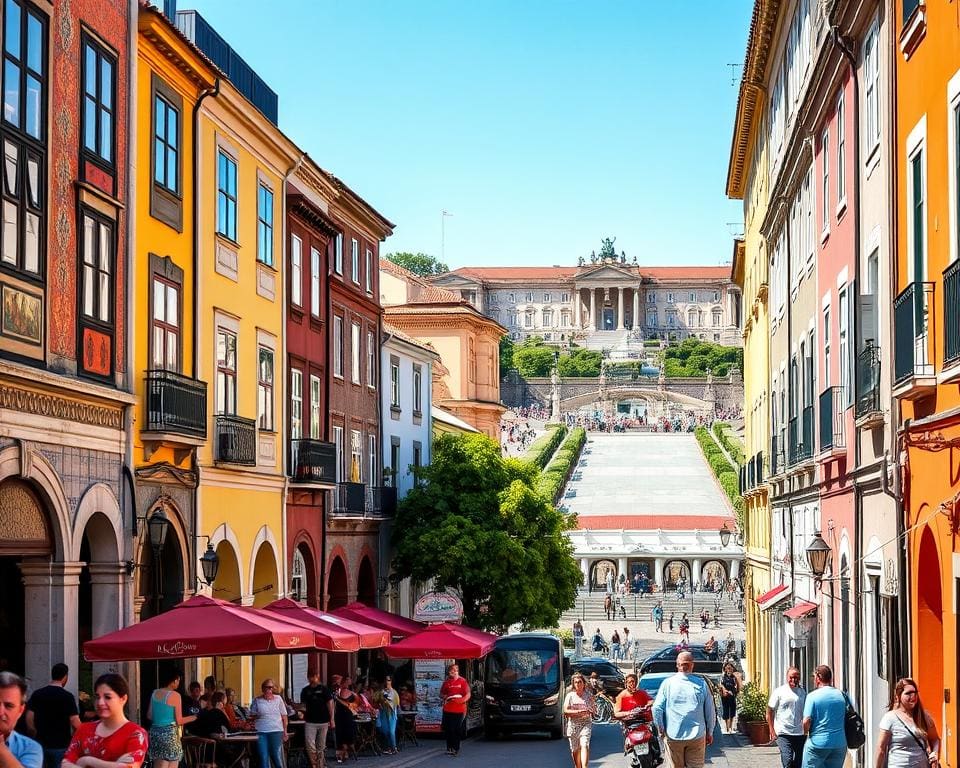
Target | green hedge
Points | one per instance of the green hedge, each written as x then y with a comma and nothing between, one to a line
554,477
543,447
733,446
722,469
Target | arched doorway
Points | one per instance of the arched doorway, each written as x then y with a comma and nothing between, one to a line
229,669
603,573
337,595
929,666
98,598
366,583
674,572
265,590
714,574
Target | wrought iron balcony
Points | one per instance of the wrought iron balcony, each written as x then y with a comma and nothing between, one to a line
913,359
778,453
349,500
758,460
236,440
868,380
313,461
381,501
801,436
832,424
175,404
951,314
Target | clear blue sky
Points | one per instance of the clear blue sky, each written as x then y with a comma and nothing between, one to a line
542,126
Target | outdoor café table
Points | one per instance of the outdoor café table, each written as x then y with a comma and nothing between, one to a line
239,746
407,727
366,734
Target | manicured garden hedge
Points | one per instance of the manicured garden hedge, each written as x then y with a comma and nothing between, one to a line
555,476
721,430
543,447
723,470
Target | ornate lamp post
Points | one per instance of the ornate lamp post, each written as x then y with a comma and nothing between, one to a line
818,555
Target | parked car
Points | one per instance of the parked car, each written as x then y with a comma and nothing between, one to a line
652,681
609,673
665,660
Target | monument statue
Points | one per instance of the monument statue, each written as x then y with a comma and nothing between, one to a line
606,249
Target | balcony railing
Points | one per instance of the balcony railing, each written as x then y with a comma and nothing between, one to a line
313,461
951,313
236,440
832,432
758,462
176,404
778,453
801,436
349,500
912,353
868,380
909,6
381,501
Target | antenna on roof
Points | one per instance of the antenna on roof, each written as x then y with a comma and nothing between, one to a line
733,72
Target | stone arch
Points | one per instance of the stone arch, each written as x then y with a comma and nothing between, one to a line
177,534
337,590
18,461
599,571
229,582
304,545
366,583
674,572
100,509
930,620
263,538
712,570
616,394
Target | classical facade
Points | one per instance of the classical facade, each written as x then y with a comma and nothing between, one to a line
597,300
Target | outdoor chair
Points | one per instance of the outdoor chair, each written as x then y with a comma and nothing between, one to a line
199,752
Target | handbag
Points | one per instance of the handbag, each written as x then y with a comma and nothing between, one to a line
925,747
853,726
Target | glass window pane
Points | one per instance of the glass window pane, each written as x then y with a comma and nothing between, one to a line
172,351
89,70
105,243
34,44
160,128
10,156
157,347
221,349
106,135
12,33
159,305
87,290
32,107
221,213
11,93
104,313
89,238
106,83
33,181
9,250
89,123
159,164
173,118
31,244
173,317
171,181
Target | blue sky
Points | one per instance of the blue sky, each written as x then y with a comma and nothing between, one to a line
543,127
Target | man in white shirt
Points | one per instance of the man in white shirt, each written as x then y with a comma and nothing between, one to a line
785,718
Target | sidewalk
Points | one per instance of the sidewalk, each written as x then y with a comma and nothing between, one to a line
738,752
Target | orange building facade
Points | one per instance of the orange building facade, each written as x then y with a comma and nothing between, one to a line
926,336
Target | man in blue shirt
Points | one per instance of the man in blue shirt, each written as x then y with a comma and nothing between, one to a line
685,714
16,750
823,716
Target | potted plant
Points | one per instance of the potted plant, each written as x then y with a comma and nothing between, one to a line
753,714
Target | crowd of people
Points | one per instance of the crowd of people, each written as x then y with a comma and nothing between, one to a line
516,436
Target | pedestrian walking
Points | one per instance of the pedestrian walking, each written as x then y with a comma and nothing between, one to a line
671,623
346,704
52,716
15,748
823,718
318,713
579,707
598,643
658,617
455,693
270,714
577,639
165,712
626,643
685,714
112,738
389,704
908,734
615,645
608,606
729,688
785,719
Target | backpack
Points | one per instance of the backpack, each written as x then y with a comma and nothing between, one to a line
853,726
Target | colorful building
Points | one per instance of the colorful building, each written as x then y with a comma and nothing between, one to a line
926,343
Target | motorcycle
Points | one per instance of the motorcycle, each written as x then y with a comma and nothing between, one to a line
641,741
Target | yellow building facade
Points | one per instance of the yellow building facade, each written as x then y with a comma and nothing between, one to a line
747,181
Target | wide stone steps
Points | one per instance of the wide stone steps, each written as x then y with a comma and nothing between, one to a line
590,607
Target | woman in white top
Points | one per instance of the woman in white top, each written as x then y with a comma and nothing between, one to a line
270,714
908,735
579,707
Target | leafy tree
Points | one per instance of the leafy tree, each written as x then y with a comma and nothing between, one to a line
581,362
533,360
477,524
506,354
419,263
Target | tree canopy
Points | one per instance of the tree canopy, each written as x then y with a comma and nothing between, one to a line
506,354
581,362
419,263
477,524
533,357
692,357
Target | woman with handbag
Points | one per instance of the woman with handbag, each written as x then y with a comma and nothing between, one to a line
908,735
729,688
166,717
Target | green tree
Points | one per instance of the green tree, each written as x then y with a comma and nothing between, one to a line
418,263
506,354
581,362
477,524
533,360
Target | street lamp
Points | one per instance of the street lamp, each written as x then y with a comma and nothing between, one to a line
818,555
725,535
209,564
157,527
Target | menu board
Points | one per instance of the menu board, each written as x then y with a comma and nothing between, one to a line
428,675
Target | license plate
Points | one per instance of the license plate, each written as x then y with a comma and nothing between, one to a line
520,708
641,749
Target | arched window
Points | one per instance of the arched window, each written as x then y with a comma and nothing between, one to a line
298,578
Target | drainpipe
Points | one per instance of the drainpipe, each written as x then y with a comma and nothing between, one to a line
384,340
327,496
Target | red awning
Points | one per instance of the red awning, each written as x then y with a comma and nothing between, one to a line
801,609
398,626
334,633
443,641
201,626
771,597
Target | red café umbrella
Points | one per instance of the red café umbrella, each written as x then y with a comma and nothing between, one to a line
443,641
201,626
343,634
398,626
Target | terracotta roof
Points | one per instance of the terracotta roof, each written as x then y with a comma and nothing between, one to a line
439,414
649,523
688,273
560,274
397,333
429,293
517,273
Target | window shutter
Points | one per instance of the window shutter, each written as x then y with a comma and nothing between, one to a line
853,349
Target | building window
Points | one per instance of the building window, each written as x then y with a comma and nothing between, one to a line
265,225
564,298
693,318
96,279
693,297
841,152
368,273
296,270
265,388
547,318
315,409
394,478
652,297
915,218
315,282
98,95
356,457
166,144
512,298
355,261
226,372
546,297
372,470
338,451
417,461
827,374
165,333
871,57
417,389
296,404
717,318
371,360
298,579
394,383
226,196
825,203
669,298
355,353
24,69
671,318
338,254
530,296
528,320
338,347
565,318
843,351
651,318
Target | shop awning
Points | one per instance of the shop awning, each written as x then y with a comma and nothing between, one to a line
801,609
398,626
443,641
333,633
772,597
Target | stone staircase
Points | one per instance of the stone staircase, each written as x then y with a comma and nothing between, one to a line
606,340
589,608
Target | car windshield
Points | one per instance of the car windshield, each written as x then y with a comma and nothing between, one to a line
524,664
672,653
601,668
650,684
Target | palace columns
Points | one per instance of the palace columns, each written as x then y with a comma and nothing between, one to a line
585,570
619,309
636,308
734,569
621,568
51,617
658,572
593,309
697,574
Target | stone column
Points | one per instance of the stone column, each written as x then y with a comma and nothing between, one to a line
51,620
636,308
621,569
658,572
619,309
734,569
585,570
107,590
593,309
697,573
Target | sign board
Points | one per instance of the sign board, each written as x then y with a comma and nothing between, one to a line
437,607
428,677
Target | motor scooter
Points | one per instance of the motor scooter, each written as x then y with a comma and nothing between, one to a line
641,742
